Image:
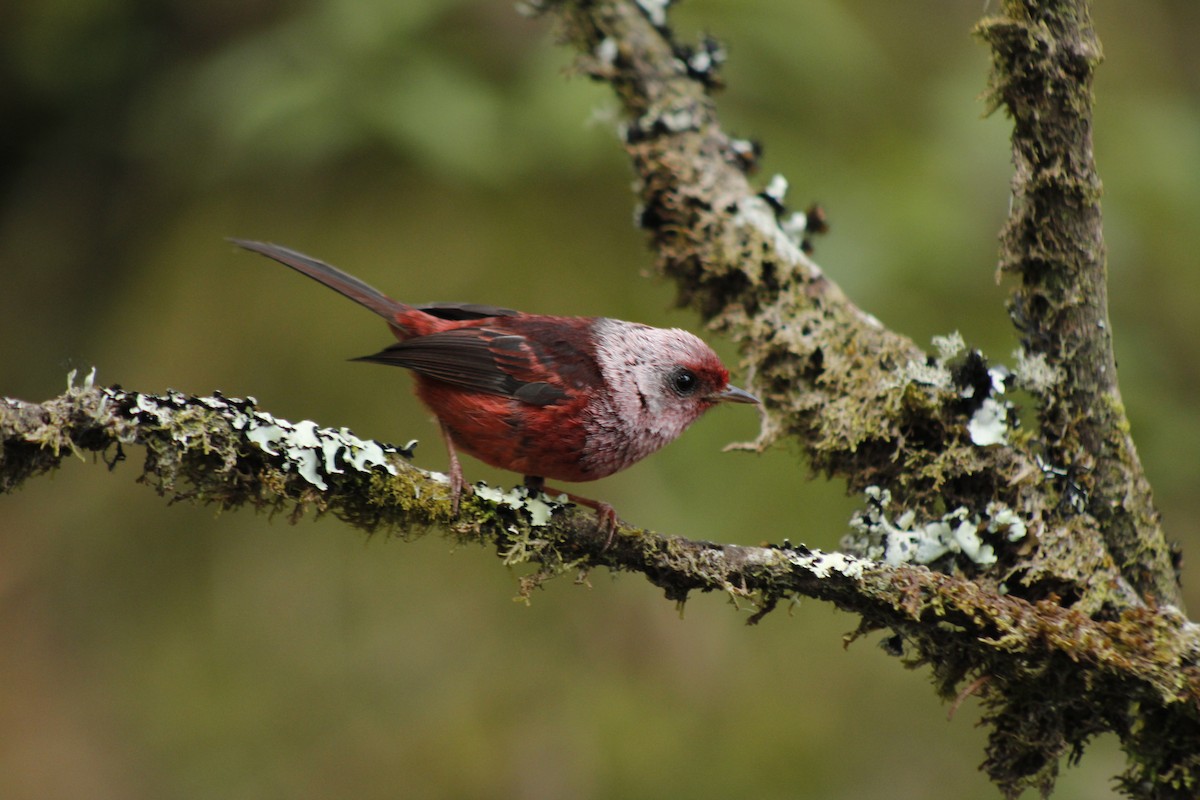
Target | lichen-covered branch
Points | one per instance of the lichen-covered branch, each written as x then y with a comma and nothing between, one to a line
222,451
931,435
1075,674
1044,57
227,451
1027,565
864,402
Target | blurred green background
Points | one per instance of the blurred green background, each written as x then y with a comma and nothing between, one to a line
438,150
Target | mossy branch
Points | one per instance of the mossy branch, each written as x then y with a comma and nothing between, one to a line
868,405
1066,619
227,452
1044,57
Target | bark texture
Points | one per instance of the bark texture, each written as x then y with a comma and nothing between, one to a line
1027,566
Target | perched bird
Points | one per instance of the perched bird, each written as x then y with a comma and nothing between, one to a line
565,398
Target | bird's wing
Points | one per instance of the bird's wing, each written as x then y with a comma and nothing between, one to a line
465,311
485,360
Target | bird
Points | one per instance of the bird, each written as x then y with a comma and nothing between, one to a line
548,397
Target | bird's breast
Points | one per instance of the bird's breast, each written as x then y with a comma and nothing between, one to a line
549,441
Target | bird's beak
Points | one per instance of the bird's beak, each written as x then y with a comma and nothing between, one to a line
732,394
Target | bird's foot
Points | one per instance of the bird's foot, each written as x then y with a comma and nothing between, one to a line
606,516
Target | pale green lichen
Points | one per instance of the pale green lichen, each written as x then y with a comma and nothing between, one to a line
1035,374
949,346
906,540
519,499
989,424
822,564
312,451
1002,519
756,214
935,375
85,385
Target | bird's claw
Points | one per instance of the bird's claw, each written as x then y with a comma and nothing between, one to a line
606,522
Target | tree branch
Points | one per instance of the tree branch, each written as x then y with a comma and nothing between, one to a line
928,435
1044,56
1104,674
1029,563
226,451
865,403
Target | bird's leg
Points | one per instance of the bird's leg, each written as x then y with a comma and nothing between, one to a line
456,475
606,517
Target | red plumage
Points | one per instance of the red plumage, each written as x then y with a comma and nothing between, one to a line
566,398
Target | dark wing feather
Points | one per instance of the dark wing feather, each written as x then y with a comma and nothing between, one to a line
480,359
465,311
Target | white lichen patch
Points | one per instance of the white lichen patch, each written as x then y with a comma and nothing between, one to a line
743,148
313,452
935,375
906,540
1034,374
822,564
538,506
1003,520
1000,375
989,424
305,461
755,212
966,537
677,120
265,436
606,51
949,346
86,385
703,61
795,226
149,405
655,11
776,190
539,511
493,494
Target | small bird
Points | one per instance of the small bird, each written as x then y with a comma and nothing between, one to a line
566,398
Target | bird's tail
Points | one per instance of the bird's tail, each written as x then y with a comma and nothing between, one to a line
331,276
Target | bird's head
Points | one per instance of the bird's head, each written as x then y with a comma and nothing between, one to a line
662,379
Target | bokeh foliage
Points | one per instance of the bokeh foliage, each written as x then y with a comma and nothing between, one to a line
437,150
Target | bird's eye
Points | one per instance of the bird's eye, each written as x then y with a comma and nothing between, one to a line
684,381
